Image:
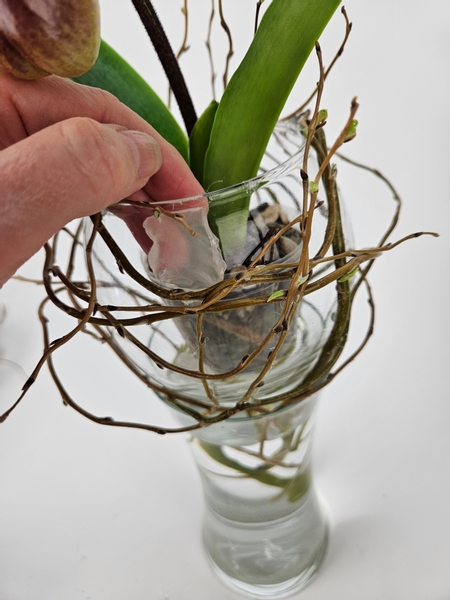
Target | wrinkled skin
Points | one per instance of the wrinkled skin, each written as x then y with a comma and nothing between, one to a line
43,37
60,160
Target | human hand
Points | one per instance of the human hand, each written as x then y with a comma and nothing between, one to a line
68,151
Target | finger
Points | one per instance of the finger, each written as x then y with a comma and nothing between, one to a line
71,169
30,106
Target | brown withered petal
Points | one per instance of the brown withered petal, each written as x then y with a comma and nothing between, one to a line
43,37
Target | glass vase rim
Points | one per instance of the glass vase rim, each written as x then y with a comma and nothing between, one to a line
240,418
264,178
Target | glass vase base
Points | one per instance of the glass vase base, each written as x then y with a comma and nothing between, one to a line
268,559
274,591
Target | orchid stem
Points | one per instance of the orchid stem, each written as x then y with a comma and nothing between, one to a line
168,60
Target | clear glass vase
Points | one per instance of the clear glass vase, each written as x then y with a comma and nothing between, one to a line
236,330
232,356
264,530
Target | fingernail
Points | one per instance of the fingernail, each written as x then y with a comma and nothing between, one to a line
146,152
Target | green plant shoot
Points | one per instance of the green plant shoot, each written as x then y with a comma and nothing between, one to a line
199,140
256,95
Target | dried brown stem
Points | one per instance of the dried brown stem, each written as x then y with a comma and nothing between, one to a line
184,46
168,60
333,264
210,52
50,347
348,28
230,53
201,358
258,9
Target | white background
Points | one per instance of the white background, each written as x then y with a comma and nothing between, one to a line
95,513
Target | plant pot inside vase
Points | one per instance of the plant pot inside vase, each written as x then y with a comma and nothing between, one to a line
247,314
231,335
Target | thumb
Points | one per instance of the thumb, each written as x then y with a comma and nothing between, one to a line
71,169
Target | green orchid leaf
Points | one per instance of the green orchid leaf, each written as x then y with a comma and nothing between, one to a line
113,74
38,38
199,140
258,90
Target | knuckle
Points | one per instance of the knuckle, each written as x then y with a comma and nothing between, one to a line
108,104
93,153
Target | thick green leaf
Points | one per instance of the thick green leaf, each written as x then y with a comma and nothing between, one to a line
258,90
113,74
199,140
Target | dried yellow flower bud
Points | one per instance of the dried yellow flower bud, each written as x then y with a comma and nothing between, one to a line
43,37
